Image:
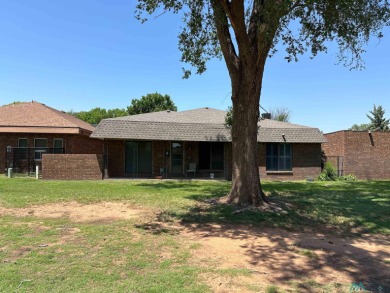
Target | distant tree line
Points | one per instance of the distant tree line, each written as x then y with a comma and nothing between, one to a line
150,103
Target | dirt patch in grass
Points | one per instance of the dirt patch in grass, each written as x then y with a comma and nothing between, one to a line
240,258
97,212
287,259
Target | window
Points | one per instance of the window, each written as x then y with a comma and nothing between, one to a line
177,158
22,142
278,157
40,145
21,152
58,144
211,155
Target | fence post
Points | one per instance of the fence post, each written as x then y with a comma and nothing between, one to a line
37,172
10,173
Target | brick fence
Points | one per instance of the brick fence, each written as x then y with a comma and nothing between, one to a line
72,166
365,154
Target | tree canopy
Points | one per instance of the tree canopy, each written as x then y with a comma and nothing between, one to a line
245,33
258,25
146,104
151,103
360,127
378,121
95,115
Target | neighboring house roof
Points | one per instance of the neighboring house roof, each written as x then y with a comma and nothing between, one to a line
34,117
204,124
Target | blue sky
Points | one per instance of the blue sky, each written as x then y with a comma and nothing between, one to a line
77,55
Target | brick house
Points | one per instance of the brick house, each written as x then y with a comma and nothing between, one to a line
364,154
31,131
197,143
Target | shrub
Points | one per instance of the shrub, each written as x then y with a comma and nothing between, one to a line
329,173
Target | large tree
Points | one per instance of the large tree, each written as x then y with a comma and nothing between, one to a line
151,103
378,120
245,33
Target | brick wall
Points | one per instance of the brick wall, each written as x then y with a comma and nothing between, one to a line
306,160
306,163
78,144
116,158
367,156
159,157
72,166
335,145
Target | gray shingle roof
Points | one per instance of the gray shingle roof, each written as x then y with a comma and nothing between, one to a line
202,115
122,129
203,124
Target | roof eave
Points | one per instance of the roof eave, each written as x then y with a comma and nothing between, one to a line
44,129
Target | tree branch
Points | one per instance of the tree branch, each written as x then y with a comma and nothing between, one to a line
235,10
224,37
264,23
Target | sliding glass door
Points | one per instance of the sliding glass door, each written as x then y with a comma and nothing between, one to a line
211,155
138,158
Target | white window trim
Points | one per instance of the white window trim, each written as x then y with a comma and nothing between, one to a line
41,150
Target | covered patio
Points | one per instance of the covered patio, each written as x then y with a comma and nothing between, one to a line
167,159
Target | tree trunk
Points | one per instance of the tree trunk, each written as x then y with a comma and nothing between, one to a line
246,187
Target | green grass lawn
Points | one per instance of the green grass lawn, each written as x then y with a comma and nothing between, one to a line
345,206
57,255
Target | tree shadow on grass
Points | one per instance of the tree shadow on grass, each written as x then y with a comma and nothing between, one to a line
329,219
345,209
342,208
278,253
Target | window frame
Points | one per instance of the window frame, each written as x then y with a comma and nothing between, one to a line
39,150
22,151
58,150
22,138
281,158
212,154
177,157
136,172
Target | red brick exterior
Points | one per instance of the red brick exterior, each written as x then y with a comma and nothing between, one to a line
115,152
365,155
73,144
306,160
72,166
335,144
